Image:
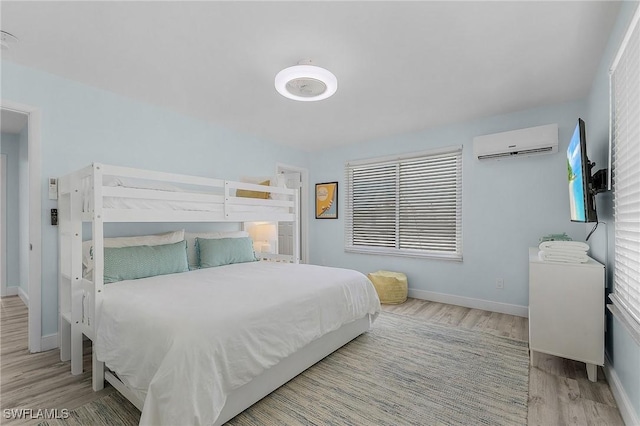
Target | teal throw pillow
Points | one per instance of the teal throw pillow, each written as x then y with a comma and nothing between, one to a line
130,263
225,251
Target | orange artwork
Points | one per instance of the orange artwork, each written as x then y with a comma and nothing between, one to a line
327,200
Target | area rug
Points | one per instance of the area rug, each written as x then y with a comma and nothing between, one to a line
405,371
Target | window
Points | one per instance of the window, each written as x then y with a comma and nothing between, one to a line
625,138
408,206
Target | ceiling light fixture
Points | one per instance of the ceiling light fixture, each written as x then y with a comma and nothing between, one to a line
6,39
306,82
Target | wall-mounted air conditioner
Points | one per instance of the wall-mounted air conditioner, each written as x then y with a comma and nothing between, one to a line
530,141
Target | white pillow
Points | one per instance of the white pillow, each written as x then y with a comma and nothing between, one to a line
192,255
142,240
281,182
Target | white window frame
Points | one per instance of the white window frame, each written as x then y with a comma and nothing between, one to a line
625,155
396,251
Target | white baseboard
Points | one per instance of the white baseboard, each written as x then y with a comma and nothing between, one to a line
10,291
627,411
48,342
23,296
486,305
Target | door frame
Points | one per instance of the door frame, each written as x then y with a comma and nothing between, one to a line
304,207
34,118
3,229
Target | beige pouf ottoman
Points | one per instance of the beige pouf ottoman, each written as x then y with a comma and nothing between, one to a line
391,286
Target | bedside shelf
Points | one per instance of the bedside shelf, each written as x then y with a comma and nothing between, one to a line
66,316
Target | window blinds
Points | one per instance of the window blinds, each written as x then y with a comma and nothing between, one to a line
406,206
625,134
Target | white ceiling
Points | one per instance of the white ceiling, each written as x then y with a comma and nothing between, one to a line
401,66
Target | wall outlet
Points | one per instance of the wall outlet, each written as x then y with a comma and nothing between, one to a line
500,283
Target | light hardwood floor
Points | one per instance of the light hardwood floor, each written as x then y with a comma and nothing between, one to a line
559,391
36,381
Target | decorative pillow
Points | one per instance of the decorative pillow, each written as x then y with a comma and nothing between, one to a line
254,194
225,251
192,247
142,240
130,263
192,252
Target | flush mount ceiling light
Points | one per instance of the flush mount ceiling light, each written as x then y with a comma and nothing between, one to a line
7,39
306,82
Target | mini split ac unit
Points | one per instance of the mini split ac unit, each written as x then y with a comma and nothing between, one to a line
524,142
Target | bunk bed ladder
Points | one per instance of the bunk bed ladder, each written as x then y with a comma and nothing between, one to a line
70,274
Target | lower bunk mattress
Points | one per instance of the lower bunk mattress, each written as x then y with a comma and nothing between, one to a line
183,342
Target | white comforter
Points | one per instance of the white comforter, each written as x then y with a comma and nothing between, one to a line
183,342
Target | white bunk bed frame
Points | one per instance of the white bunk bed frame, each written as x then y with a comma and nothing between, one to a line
81,298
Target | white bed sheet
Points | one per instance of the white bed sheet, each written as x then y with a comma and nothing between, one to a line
183,342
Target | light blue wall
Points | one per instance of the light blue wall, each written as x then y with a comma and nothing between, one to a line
81,124
11,147
507,206
622,350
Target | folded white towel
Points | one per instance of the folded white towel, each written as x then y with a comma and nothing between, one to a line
564,245
568,252
565,258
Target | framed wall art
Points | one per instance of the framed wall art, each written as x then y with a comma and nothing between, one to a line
327,200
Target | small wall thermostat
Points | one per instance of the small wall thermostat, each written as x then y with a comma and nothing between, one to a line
53,188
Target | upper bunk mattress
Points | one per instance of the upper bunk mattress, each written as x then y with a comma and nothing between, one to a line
146,204
139,203
183,342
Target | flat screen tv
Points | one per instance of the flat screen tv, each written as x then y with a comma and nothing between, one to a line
581,192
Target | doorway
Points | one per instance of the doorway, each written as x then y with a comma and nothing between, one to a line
24,121
296,178
5,290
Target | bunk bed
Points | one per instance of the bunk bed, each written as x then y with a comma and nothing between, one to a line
162,385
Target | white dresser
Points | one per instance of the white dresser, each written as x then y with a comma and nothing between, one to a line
566,311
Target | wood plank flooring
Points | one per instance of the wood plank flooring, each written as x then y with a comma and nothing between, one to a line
36,381
559,391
